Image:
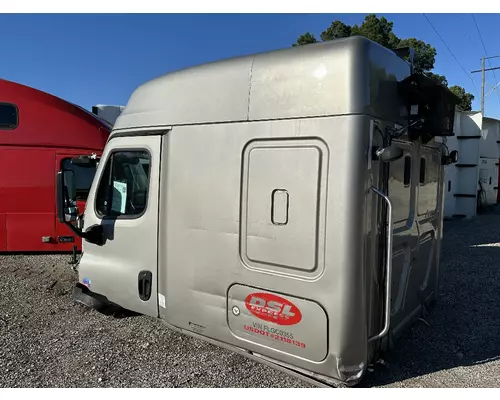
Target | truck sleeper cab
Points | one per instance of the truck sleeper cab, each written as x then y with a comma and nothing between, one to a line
279,205
39,135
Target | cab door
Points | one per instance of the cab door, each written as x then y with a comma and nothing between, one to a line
124,200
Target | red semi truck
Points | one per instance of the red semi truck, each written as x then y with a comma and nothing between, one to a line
39,135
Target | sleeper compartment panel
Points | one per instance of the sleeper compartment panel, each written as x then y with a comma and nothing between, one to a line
283,206
279,322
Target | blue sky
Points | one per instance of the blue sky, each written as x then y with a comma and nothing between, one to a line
101,58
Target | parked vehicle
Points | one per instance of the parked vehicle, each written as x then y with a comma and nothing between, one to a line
39,135
280,205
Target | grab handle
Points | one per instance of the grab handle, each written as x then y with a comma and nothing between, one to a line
388,266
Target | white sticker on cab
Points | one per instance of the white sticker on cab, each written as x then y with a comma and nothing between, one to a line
161,300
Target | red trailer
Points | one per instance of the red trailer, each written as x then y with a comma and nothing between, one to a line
39,134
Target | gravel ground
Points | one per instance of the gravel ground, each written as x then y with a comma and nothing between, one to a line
48,340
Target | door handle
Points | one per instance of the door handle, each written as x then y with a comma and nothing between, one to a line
144,285
279,206
388,267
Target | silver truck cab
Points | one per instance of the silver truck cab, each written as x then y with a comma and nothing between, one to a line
285,205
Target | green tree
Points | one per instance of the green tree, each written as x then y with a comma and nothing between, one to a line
425,54
306,38
377,29
380,30
465,98
337,30
440,78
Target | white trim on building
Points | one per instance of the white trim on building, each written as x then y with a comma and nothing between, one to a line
476,173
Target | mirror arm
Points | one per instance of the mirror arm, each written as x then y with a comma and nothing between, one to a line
74,229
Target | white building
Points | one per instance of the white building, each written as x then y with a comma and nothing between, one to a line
107,113
473,180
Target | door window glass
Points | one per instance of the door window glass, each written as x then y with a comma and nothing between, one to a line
9,118
124,185
83,177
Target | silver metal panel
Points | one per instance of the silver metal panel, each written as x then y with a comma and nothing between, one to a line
428,190
279,79
416,246
405,247
429,222
399,191
283,177
201,199
340,77
214,92
281,322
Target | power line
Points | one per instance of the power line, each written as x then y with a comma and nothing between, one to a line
486,53
467,32
456,59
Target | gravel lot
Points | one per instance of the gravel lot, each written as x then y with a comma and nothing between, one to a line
47,340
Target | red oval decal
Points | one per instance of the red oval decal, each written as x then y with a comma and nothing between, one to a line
272,308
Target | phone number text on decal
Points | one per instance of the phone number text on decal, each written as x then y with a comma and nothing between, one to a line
274,336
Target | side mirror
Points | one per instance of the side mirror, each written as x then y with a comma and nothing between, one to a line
389,154
67,210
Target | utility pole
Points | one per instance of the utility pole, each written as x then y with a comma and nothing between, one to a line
483,81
